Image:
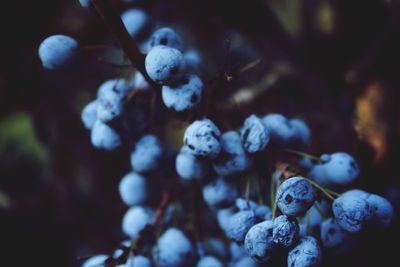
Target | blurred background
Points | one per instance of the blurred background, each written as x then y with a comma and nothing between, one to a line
334,63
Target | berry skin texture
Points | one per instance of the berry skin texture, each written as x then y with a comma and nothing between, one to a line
110,104
302,133
165,65
118,86
209,261
233,159
133,189
339,169
295,196
220,193
202,138
58,52
255,136
173,249
223,216
351,213
190,167
382,210
166,36
135,21
259,243
237,252
138,261
135,219
280,129
147,155
332,235
238,224
285,231
105,137
89,114
184,97
307,253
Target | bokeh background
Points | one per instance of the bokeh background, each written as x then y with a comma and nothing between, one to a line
335,63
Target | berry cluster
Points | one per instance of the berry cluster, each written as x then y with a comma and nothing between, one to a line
305,217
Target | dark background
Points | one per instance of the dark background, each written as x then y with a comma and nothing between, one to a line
58,195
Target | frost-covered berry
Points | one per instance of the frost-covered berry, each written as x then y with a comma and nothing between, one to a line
285,230
58,52
118,86
220,193
307,253
133,189
105,137
259,241
147,155
165,65
351,213
237,252
332,235
202,138
239,223
97,260
262,212
223,216
166,36
190,167
255,136
356,193
110,104
209,261
302,133
215,247
138,261
382,210
183,97
135,21
173,249
317,213
339,169
138,82
135,219
89,114
295,196
279,127
232,159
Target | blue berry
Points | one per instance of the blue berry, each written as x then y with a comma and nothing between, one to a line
89,114
139,261
237,252
58,52
97,260
173,249
255,136
259,241
223,216
339,169
110,104
105,137
85,3
147,156
305,163
302,133
209,261
202,138
138,82
133,189
193,60
382,210
307,253
262,212
167,37
135,22
239,223
285,231
190,167
279,128
135,220
351,213
295,196
332,235
183,97
314,218
215,247
118,86
245,262
233,159
165,65
220,193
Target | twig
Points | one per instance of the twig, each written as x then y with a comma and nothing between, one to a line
130,48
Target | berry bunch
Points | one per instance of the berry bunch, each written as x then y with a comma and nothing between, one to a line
305,217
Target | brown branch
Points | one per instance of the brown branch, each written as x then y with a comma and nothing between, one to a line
130,48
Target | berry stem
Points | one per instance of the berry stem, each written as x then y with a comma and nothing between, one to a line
323,190
130,48
248,183
303,154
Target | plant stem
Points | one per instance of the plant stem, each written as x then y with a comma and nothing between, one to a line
323,190
130,48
